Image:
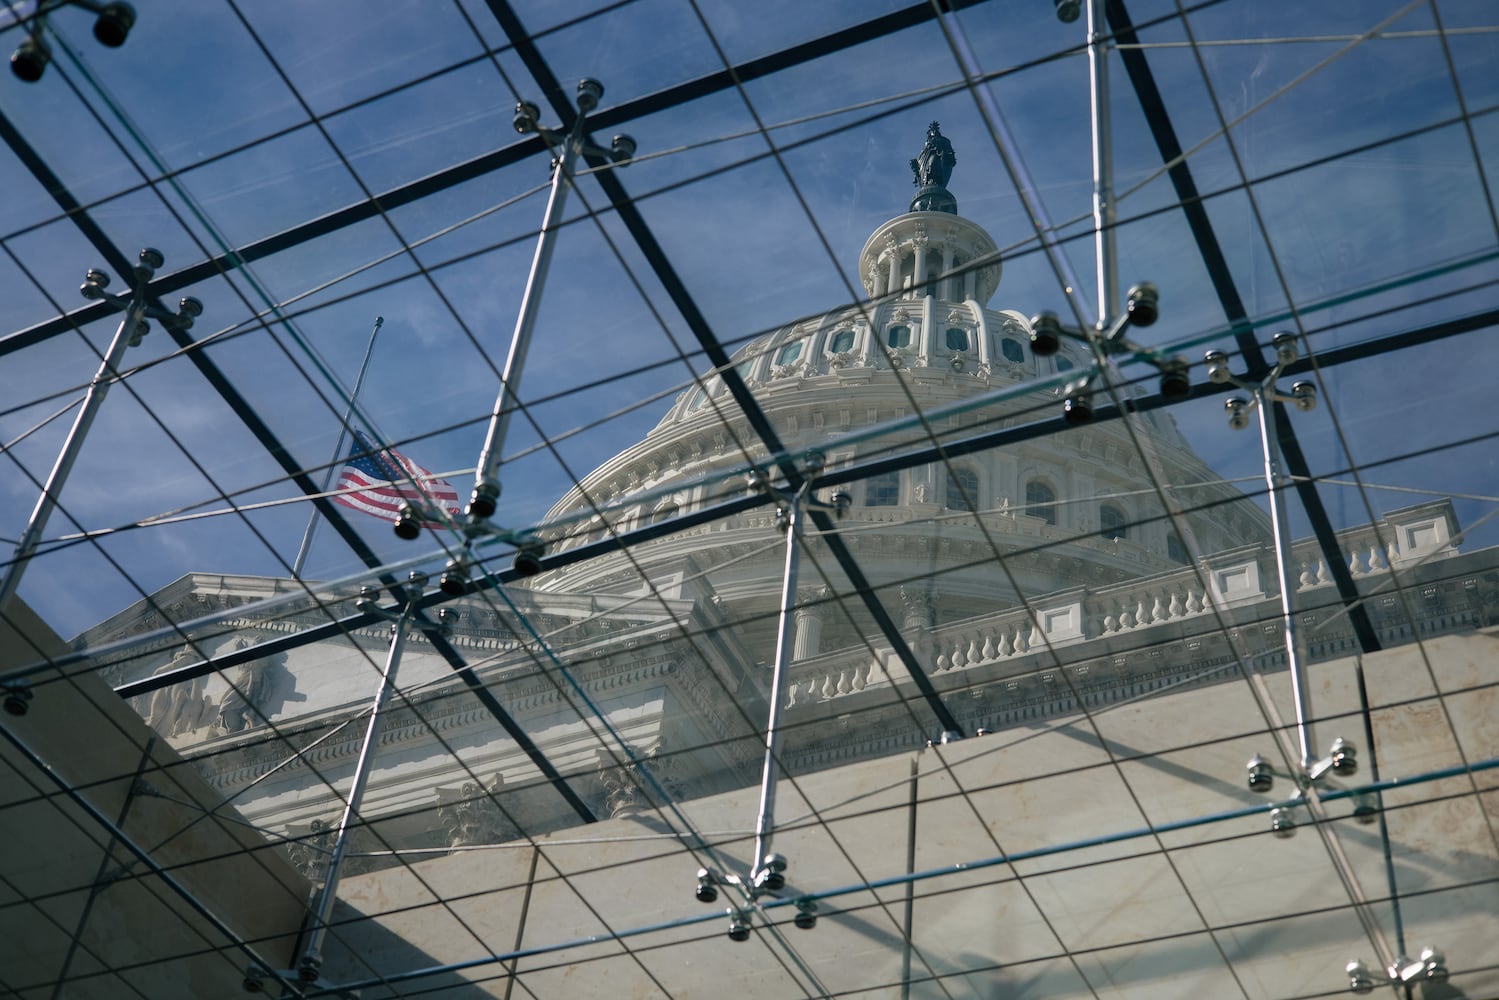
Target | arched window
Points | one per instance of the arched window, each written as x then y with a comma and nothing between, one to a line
842,341
1011,349
1064,364
899,336
882,490
1040,501
664,511
957,340
962,488
1175,550
789,353
1111,522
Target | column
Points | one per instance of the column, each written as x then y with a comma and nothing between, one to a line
950,285
917,617
470,816
809,618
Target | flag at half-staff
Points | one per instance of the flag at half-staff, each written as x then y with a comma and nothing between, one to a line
381,481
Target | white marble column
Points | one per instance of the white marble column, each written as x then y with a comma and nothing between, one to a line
809,618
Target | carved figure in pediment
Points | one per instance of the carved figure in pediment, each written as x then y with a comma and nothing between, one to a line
180,708
251,698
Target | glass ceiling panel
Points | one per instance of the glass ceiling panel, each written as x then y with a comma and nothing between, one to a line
643,56
54,259
1472,57
1443,222
1486,138
478,215
327,54
325,268
1029,575
743,38
422,128
58,373
83,156
1444,450
1289,87
833,82
540,18
271,186
185,124
792,276
27,203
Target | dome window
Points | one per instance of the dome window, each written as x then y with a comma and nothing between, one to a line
842,341
962,488
1011,349
788,354
957,339
1040,501
1111,522
1064,364
664,511
1175,550
899,336
882,490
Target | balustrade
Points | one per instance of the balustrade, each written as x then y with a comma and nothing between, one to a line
1125,607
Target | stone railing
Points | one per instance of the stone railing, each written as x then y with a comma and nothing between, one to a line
824,678
1233,579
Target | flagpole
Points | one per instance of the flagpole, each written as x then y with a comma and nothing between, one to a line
338,450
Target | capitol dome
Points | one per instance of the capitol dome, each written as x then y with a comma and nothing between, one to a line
1064,511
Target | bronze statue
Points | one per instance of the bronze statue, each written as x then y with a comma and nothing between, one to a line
933,165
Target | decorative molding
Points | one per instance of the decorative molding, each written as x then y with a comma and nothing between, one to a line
471,816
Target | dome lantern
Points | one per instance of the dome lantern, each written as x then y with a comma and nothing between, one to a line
931,250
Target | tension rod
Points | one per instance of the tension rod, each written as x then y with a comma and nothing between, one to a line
768,869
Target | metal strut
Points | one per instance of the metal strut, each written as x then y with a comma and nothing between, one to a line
767,874
310,964
768,868
569,145
1264,396
1104,213
132,328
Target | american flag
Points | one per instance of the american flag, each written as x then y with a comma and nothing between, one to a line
382,480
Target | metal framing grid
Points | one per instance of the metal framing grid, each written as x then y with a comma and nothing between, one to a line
930,712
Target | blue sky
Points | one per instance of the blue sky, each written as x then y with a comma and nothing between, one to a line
192,86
